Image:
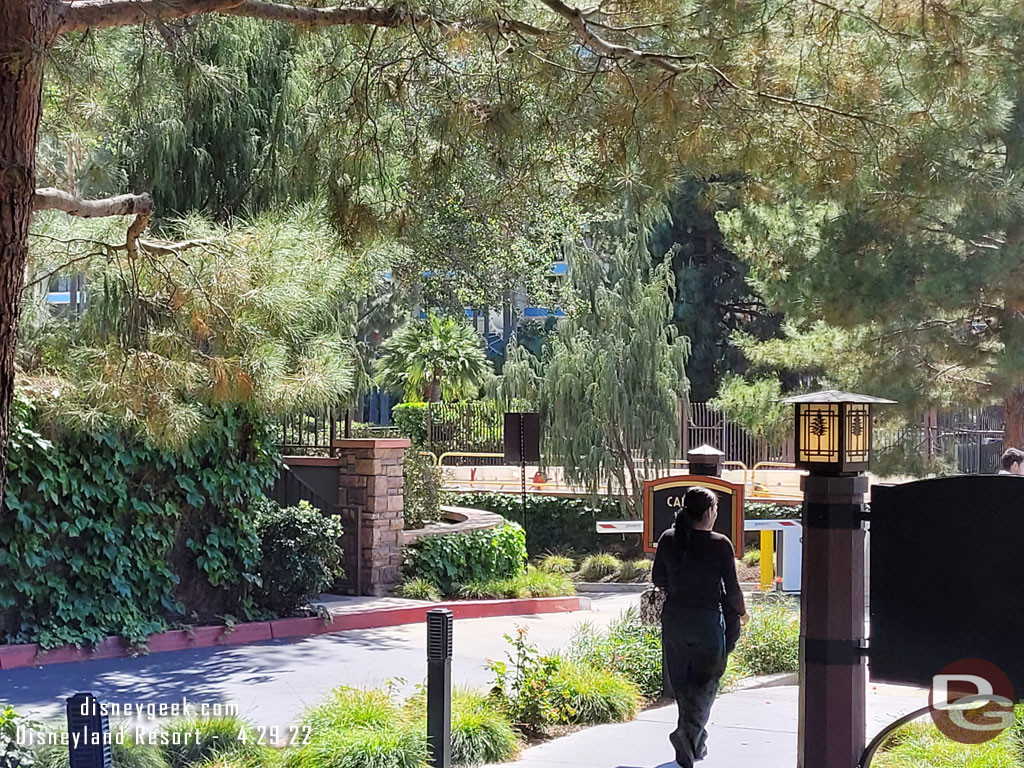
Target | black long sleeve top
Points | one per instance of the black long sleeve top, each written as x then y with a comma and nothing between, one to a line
696,575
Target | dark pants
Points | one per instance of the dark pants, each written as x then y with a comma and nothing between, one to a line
694,642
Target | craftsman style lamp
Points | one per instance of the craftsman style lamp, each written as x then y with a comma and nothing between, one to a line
833,443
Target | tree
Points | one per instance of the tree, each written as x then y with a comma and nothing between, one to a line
440,358
614,373
550,98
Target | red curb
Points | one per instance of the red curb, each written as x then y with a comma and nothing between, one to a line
14,656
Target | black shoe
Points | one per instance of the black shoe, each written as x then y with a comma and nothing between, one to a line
684,752
702,753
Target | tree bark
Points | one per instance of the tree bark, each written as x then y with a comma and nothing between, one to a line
1013,428
27,28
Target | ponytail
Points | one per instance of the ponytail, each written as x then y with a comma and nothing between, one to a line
696,503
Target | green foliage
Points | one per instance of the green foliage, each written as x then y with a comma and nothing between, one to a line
125,752
214,739
757,406
411,420
107,535
481,732
618,347
460,558
557,564
554,523
524,685
440,358
422,490
357,728
588,695
752,558
922,744
300,555
634,571
597,567
760,510
628,646
533,582
419,589
14,754
770,642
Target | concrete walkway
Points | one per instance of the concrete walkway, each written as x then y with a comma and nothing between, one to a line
750,728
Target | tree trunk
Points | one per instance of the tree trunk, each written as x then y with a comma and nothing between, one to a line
1013,429
26,31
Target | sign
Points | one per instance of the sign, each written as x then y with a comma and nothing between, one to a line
522,438
663,499
946,580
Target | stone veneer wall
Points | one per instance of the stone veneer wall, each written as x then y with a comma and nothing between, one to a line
370,480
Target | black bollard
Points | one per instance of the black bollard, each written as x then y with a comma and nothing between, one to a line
88,733
439,687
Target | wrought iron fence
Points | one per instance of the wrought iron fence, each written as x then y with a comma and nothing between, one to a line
472,427
965,440
703,425
314,433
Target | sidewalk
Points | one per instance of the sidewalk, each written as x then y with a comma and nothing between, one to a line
753,727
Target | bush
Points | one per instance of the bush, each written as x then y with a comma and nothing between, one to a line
752,558
481,732
463,558
523,685
530,583
357,728
634,571
300,555
557,564
762,510
126,754
411,421
419,589
12,753
597,567
422,491
588,695
557,523
770,642
224,739
917,745
628,646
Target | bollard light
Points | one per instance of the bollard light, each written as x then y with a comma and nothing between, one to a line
440,626
833,431
88,732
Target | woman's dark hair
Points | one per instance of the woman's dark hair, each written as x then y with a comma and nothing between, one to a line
696,503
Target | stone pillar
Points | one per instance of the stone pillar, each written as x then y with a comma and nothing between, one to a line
370,482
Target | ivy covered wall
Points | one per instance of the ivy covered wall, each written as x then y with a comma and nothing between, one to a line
104,534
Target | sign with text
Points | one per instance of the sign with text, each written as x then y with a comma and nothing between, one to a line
663,499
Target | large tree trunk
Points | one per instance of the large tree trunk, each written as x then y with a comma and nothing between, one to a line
26,32
1013,430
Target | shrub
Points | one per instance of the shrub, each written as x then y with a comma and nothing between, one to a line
635,570
770,642
357,728
411,421
752,558
481,731
597,567
12,753
523,685
557,523
126,754
226,739
531,583
921,744
462,558
300,555
557,564
762,510
628,646
419,589
422,491
587,695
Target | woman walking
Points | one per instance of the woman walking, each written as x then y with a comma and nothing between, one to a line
695,567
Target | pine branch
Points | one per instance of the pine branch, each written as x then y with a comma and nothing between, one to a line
139,206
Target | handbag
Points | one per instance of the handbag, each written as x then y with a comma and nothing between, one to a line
652,601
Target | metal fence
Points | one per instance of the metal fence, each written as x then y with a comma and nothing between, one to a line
472,427
960,440
703,425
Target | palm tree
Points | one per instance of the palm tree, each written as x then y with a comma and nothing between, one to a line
440,358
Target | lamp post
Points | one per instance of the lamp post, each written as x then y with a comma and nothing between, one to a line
833,443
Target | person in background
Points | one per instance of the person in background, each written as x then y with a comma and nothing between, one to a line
695,567
1013,462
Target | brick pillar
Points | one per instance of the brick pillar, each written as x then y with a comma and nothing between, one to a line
370,481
